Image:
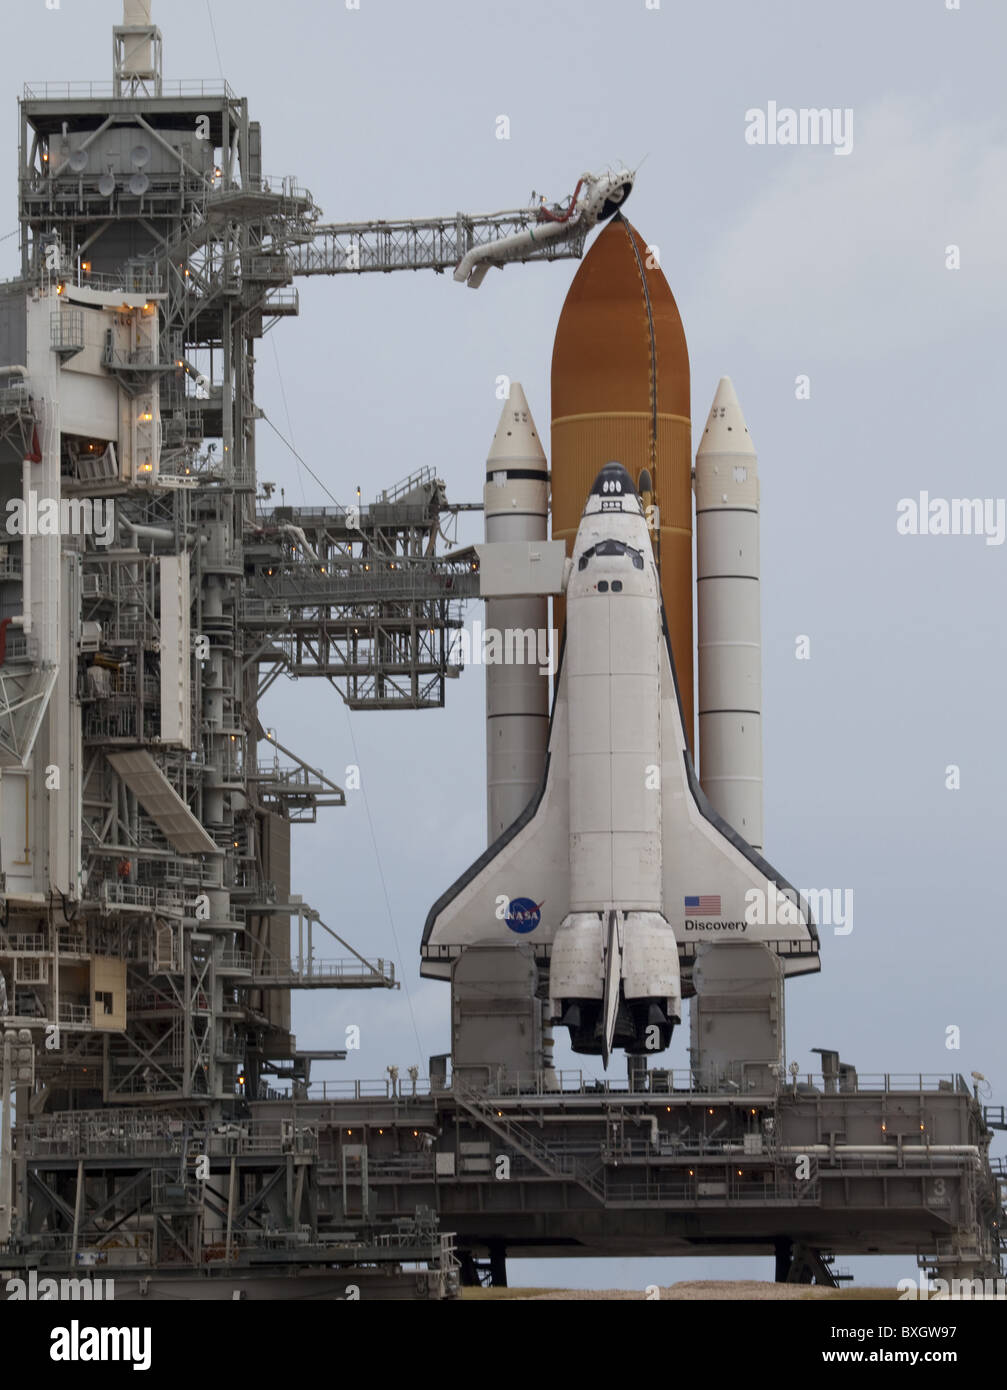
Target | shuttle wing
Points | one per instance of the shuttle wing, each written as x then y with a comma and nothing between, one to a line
520,888
716,886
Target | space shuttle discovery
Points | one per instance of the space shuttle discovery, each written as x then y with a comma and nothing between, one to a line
619,865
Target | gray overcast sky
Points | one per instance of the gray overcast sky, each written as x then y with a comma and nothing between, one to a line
784,260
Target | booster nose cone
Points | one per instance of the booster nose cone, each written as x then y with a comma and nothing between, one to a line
726,431
613,479
516,445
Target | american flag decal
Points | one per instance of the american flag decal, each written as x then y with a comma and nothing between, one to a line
705,905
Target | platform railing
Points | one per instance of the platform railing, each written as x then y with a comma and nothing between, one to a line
518,1086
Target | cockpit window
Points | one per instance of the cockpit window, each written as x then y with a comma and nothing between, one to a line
611,547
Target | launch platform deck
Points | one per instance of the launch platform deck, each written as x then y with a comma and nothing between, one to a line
887,1165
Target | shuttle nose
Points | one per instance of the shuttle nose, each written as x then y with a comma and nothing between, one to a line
613,478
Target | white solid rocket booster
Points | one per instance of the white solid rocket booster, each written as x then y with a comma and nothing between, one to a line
730,649
516,501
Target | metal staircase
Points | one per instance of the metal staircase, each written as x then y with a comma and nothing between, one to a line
565,1167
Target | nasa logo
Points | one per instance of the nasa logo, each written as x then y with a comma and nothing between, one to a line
523,915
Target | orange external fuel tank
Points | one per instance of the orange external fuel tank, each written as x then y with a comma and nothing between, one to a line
620,392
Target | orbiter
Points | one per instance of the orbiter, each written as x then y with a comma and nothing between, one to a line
620,864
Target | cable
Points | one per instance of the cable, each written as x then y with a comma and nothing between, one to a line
209,15
376,547
286,411
299,459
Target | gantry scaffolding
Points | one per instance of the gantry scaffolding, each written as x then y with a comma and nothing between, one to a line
155,195
149,935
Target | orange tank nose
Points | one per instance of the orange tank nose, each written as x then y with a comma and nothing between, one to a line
620,391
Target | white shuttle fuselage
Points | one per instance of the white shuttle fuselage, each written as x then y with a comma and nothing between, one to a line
615,933
620,865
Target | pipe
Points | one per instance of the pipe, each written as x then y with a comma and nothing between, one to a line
302,541
494,251
548,216
888,1150
25,622
603,196
154,533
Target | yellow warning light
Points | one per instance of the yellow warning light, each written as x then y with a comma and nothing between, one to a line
691,1173
884,1129
416,1134
86,267
710,1111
